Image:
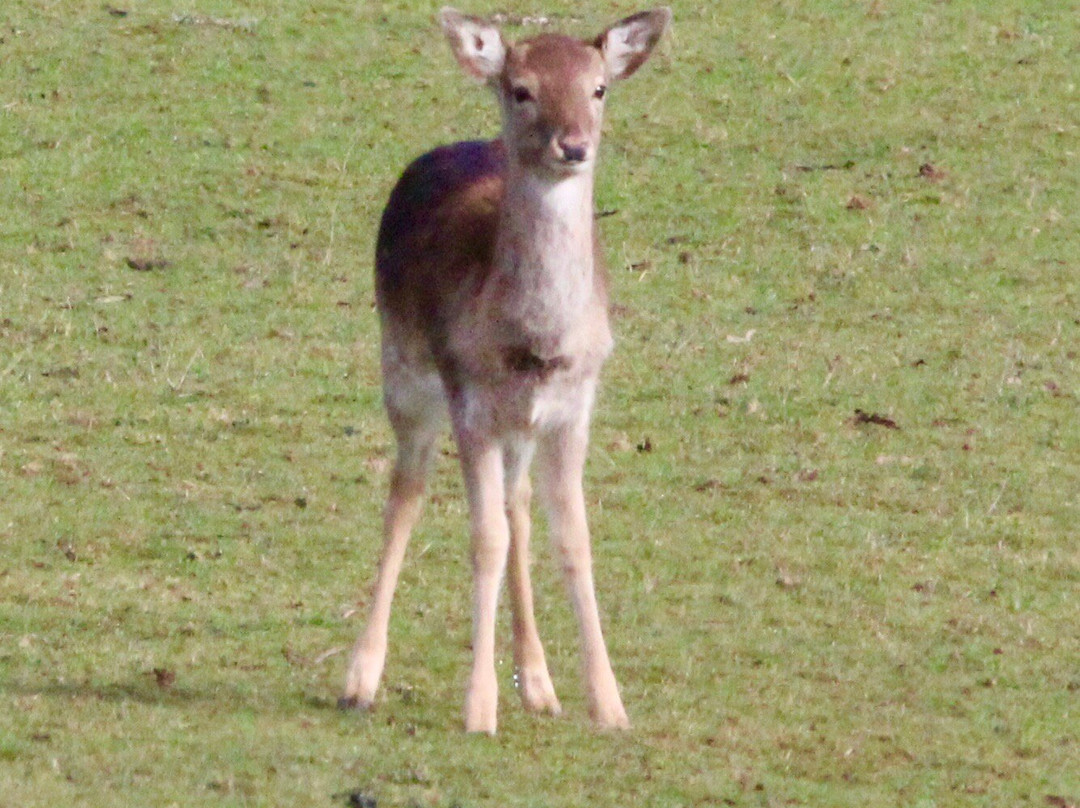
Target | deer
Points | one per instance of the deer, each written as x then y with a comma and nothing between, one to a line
492,299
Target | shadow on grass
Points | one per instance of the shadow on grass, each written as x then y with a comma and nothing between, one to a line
150,690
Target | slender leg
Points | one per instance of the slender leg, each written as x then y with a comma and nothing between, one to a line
482,463
561,461
530,665
416,442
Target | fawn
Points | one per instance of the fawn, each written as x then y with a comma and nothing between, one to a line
492,299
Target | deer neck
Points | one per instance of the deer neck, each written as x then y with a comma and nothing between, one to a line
544,257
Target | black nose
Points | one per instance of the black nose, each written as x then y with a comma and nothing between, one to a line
574,154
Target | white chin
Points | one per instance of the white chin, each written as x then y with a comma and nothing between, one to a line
563,168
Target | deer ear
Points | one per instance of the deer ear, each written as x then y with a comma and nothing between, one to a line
627,44
477,45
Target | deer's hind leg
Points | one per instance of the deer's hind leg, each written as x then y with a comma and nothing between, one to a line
415,406
561,460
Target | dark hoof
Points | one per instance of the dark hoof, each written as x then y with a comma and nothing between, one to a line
356,799
354,704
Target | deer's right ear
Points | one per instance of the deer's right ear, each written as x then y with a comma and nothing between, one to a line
477,45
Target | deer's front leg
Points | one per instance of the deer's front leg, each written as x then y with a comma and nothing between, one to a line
482,464
530,665
561,463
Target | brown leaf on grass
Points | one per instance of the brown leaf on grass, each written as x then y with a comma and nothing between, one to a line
875,419
858,203
928,171
1059,802
844,166
61,373
143,264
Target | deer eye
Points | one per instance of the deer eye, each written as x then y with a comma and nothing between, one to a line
521,94
600,92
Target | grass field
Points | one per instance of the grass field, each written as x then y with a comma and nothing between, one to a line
835,475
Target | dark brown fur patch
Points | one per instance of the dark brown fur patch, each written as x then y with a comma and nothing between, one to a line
522,360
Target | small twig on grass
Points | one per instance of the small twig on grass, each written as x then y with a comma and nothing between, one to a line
244,24
325,655
997,499
183,376
334,210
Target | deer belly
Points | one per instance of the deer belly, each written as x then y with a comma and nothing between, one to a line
556,404
524,405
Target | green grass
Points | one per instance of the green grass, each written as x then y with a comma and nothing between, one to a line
803,607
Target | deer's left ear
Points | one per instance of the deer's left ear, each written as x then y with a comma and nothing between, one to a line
627,44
